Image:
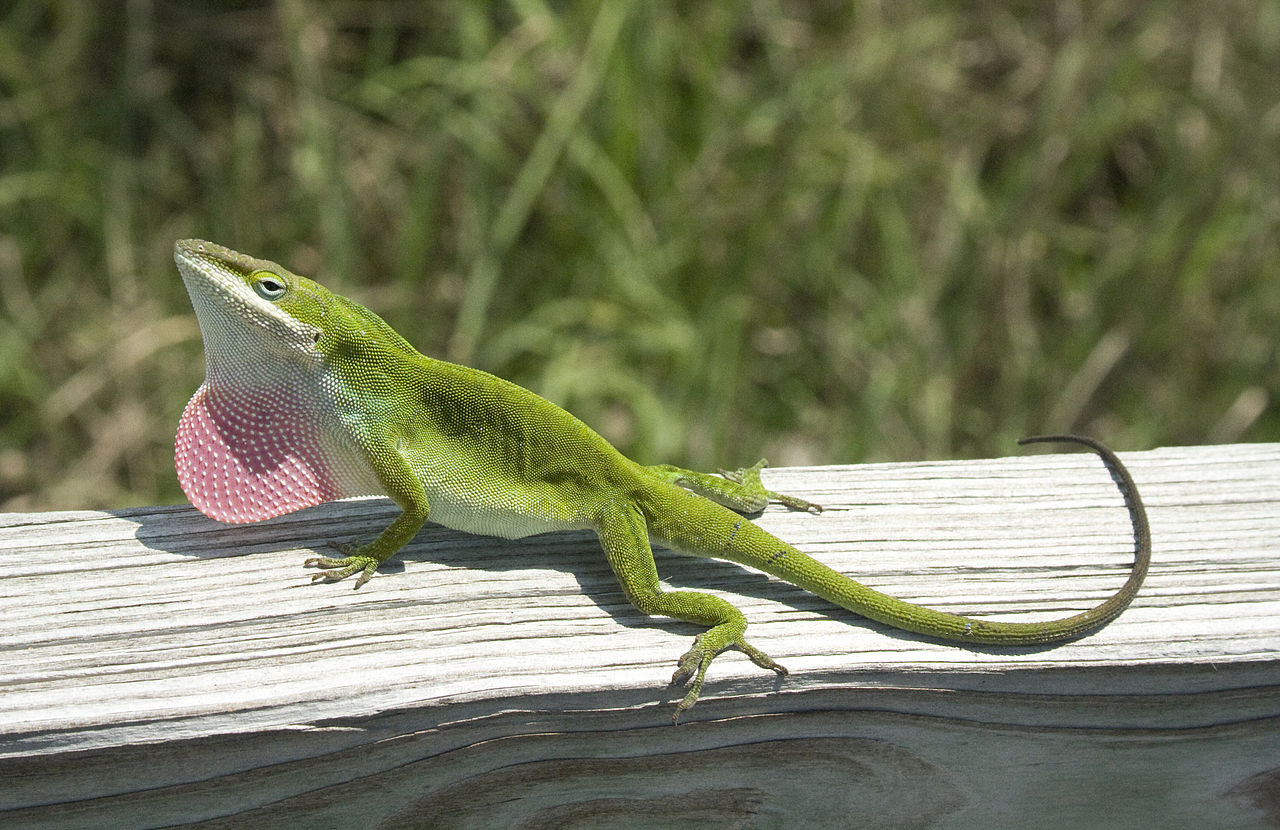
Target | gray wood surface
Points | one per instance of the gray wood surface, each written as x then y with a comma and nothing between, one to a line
157,667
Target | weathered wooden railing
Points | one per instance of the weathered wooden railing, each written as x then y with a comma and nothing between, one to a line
157,667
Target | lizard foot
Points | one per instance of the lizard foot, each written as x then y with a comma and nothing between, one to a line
694,662
749,478
352,563
739,490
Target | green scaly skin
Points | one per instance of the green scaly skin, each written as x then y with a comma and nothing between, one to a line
476,453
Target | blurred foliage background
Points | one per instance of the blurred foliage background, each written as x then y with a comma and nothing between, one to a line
821,232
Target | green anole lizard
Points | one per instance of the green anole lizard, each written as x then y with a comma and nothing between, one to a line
310,397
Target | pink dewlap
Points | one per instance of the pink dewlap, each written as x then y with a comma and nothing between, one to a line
243,457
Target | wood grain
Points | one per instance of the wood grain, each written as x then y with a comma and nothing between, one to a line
159,668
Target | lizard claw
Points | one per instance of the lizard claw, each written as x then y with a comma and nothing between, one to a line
749,477
694,662
345,567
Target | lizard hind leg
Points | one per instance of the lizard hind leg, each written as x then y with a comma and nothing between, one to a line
625,538
739,490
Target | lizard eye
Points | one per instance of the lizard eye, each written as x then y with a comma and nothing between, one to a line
269,287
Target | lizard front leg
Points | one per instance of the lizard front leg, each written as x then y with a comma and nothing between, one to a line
367,558
406,489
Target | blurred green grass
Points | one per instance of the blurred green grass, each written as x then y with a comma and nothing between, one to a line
820,232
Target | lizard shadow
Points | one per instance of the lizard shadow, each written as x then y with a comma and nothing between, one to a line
579,555
698,573
180,529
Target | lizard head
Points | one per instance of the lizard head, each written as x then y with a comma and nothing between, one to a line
251,311
256,313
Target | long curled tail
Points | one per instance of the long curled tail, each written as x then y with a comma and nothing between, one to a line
1110,609
759,549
